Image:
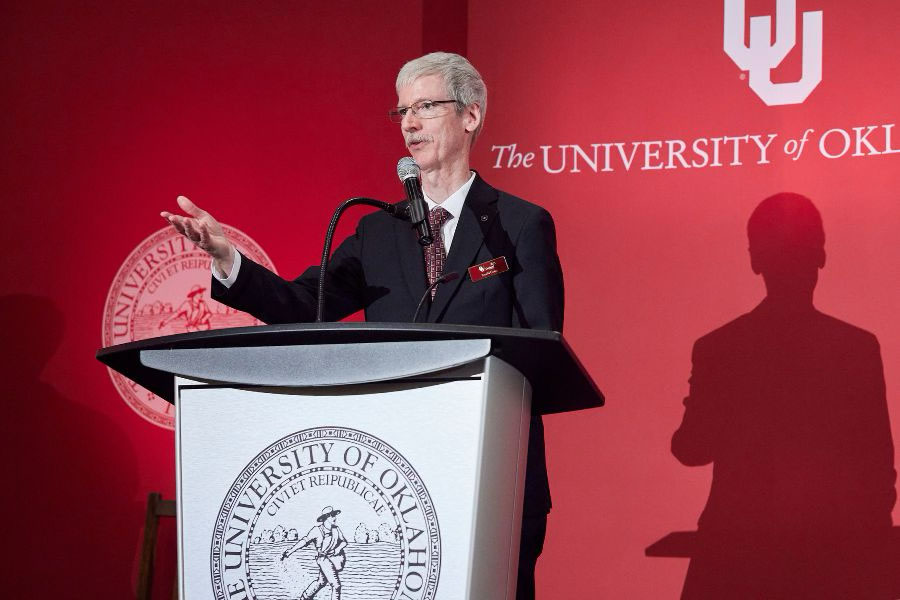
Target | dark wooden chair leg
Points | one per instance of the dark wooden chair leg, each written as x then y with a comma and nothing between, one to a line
156,508
151,527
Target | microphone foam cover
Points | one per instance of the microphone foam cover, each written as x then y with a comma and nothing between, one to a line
406,168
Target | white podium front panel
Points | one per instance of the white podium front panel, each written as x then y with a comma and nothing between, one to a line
371,489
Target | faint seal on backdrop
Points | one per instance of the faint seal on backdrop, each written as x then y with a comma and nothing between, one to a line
162,288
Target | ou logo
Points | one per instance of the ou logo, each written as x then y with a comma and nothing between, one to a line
762,56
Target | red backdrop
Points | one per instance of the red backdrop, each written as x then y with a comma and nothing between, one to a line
266,113
270,114
656,258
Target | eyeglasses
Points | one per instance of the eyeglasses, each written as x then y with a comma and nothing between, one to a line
423,109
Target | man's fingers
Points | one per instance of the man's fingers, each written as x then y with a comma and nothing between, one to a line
201,230
175,221
190,230
204,234
189,207
182,225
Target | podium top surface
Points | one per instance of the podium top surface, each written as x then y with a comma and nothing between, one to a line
559,381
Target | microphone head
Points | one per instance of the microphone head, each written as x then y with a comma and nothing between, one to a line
406,168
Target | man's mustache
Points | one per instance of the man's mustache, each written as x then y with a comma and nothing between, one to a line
418,138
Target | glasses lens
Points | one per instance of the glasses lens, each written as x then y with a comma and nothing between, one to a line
427,109
395,115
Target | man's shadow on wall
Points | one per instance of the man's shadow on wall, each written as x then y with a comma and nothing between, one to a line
789,406
73,519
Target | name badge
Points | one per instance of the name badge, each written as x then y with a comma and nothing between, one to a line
495,266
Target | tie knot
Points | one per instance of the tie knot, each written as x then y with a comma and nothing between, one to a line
438,216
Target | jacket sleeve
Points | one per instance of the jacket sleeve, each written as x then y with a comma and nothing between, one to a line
538,280
273,299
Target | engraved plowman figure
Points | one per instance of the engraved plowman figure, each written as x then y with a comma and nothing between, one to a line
330,542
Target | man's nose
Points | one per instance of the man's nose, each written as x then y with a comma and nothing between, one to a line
411,122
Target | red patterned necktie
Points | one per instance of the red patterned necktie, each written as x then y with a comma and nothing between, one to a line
436,253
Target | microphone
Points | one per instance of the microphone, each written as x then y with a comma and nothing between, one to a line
442,279
408,172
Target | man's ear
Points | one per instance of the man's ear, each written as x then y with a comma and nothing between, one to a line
472,117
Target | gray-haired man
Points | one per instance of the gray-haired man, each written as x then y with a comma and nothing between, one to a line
441,106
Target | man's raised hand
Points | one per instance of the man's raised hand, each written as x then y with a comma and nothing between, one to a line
204,231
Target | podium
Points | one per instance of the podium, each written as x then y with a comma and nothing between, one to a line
361,460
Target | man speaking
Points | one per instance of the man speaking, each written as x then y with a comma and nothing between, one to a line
383,270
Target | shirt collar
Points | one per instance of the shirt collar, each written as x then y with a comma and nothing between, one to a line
454,203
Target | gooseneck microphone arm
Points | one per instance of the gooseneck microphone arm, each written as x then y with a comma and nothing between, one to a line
413,210
399,211
444,279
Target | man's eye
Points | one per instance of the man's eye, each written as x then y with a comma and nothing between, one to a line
402,111
426,105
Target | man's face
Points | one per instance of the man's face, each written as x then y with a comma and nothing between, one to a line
441,140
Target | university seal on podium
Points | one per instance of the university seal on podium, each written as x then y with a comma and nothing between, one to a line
163,288
327,513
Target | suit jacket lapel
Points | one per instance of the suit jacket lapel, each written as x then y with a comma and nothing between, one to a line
478,216
412,260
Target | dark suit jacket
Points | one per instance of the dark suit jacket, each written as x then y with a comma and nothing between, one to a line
381,269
